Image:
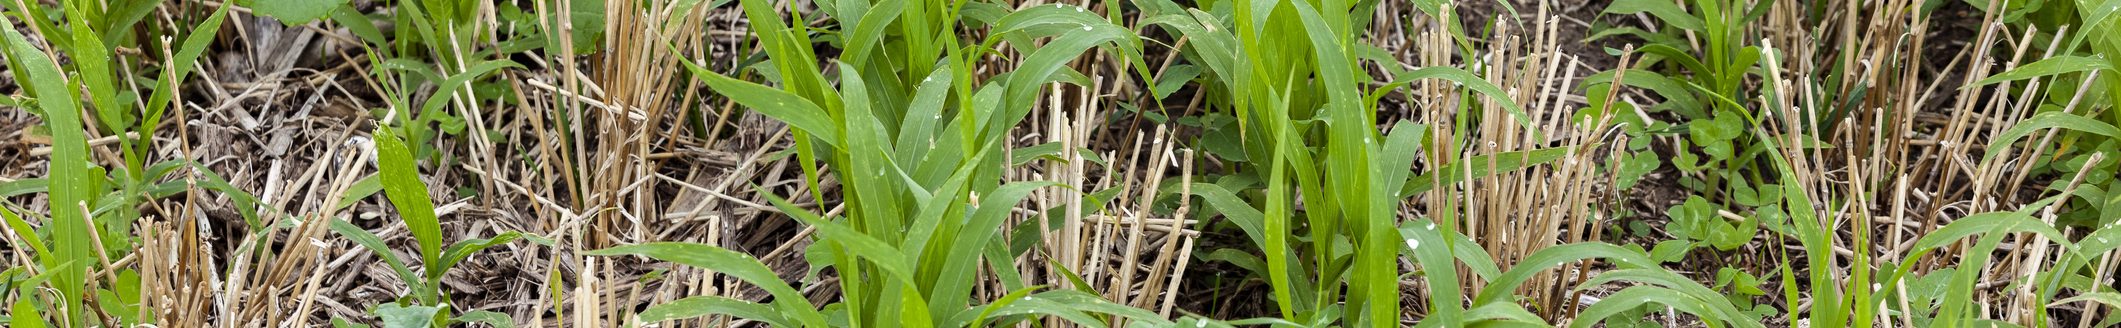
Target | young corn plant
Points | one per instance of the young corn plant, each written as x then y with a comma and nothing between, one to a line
918,146
426,304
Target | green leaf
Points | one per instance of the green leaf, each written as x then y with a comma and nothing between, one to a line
72,176
2056,65
1470,81
1556,256
382,250
361,189
464,249
1670,250
1665,10
24,232
1504,162
1635,165
780,105
742,266
2047,120
180,67
360,25
293,12
587,16
2110,299
1721,128
1174,78
24,187
24,315
699,306
396,316
490,318
401,183
1632,297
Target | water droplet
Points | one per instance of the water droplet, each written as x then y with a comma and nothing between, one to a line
1877,286
1086,27
1413,244
1432,226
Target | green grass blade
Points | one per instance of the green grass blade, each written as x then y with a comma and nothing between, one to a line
2109,299
743,267
1632,297
2043,121
881,254
24,232
2057,65
376,245
1552,257
699,306
72,175
780,105
180,67
456,253
959,270
1438,269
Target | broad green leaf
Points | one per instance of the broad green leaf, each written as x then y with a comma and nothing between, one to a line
960,269
396,316
1633,166
916,133
868,31
448,87
359,25
401,183
1714,301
